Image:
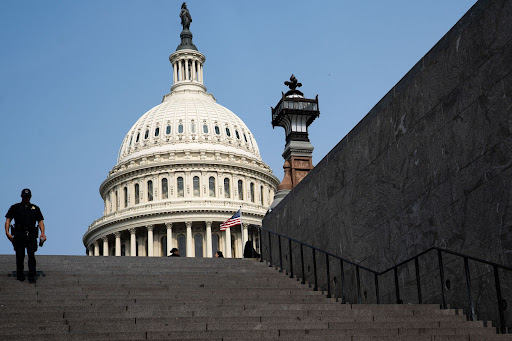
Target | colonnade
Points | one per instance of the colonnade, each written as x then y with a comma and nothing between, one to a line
187,69
94,247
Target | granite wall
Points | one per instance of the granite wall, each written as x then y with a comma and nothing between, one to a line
429,165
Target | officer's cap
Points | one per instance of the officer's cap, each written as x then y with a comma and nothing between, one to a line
26,193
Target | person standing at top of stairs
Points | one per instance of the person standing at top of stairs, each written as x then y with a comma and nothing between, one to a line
24,233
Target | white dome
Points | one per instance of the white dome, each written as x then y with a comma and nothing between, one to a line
192,121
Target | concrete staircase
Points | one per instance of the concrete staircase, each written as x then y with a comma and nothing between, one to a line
129,298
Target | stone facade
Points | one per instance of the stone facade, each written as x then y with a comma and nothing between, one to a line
429,165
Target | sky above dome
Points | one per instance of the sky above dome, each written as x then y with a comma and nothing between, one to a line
76,75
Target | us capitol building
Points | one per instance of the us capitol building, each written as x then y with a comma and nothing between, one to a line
184,167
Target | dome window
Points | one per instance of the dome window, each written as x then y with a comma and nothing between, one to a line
181,188
138,137
168,129
131,139
205,128
227,191
211,186
195,183
251,189
237,135
180,128
150,190
192,127
228,133
245,138
165,189
157,131
146,134
217,130
240,190
137,193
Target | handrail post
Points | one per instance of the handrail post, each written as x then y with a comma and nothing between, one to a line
500,300
270,249
468,286
302,264
358,280
328,275
377,287
418,281
314,270
397,288
342,282
441,276
259,247
280,254
291,263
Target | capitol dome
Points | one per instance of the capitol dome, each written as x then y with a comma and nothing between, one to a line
185,166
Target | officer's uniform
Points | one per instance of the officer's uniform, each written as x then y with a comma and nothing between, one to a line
25,235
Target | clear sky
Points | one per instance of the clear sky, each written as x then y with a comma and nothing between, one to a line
76,75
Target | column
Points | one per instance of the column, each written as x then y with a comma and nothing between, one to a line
96,248
209,239
175,72
90,250
186,69
133,242
245,234
180,63
150,240
169,238
194,71
118,243
190,245
228,243
201,72
105,245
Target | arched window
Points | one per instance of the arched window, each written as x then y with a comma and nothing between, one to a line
165,189
137,193
168,129
205,128
240,190
131,139
245,138
227,190
117,201
198,245
228,133
211,186
261,195
182,245
163,246
146,134
181,189
138,137
251,188
180,128
195,184
150,190
157,131
215,243
237,135
125,197
217,130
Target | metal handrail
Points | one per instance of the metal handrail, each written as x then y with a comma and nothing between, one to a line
496,267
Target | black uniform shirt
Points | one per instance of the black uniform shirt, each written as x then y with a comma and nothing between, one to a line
25,216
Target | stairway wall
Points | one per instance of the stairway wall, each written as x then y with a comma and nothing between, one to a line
429,165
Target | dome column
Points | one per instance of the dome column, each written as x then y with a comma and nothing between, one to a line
227,243
194,74
133,242
96,248
209,239
186,70
118,243
169,238
190,243
105,245
150,240
175,72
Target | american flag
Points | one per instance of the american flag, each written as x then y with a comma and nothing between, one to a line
236,219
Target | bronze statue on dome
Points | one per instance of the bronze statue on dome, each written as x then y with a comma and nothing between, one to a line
185,16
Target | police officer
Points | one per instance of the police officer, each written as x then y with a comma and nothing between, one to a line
24,233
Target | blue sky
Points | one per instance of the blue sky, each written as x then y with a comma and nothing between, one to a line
76,75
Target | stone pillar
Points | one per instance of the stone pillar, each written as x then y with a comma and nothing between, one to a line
169,238
180,63
209,239
118,243
96,248
133,242
105,245
201,72
190,244
245,234
150,240
227,243
194,72
91,250
175,73
186,69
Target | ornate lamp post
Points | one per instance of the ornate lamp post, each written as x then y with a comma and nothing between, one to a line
294,113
